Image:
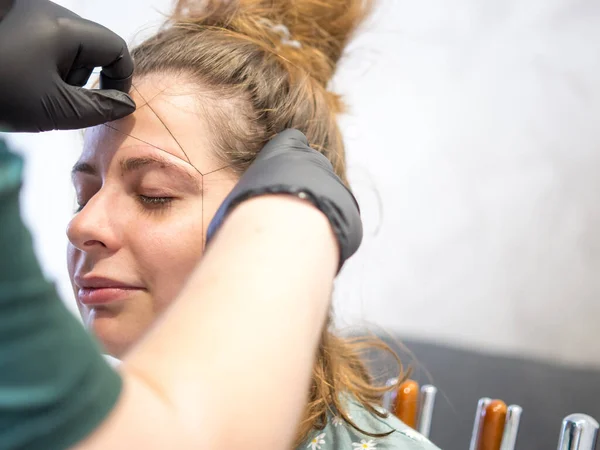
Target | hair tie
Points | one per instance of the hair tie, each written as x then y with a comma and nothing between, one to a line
283,32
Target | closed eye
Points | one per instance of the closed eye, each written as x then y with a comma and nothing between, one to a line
153,203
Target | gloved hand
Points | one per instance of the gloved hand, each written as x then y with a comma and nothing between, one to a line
287,165
46,54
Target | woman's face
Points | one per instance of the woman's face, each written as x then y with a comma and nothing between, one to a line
144,211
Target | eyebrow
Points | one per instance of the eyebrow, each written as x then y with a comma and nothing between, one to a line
129,165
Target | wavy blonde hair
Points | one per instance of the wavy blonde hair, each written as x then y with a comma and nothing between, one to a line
275,58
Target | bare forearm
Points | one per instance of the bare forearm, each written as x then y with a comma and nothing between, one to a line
233,356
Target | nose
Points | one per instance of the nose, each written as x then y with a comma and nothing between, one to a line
94,228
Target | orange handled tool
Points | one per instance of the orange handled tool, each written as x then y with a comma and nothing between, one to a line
407,403
493,426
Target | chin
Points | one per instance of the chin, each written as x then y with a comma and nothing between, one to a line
115,338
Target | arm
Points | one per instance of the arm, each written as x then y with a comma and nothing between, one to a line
230,363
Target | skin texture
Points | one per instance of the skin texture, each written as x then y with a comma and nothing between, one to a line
141,223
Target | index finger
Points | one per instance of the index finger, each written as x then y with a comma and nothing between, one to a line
101,47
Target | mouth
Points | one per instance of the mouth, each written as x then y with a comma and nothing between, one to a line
96,291
103,296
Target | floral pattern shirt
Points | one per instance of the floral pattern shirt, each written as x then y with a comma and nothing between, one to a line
338,435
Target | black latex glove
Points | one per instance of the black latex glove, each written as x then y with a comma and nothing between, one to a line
46,54
287,165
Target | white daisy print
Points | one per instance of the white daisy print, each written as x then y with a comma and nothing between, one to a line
337,421
364,445
316,443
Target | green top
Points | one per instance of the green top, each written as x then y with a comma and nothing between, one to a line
338,435
55,388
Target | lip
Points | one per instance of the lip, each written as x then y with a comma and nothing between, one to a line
94,291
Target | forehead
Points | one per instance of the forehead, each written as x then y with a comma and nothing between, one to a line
168,118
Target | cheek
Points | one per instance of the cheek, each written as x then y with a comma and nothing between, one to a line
167,251
72,256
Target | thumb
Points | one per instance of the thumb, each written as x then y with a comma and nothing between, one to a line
82,108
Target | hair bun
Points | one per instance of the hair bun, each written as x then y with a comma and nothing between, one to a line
309,33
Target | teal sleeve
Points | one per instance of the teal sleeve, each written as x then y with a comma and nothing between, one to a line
55,387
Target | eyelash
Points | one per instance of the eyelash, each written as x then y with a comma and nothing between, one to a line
155,203
151,203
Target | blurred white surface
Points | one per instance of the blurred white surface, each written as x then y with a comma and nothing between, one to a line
474,123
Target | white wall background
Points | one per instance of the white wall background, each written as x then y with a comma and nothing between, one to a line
473,143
